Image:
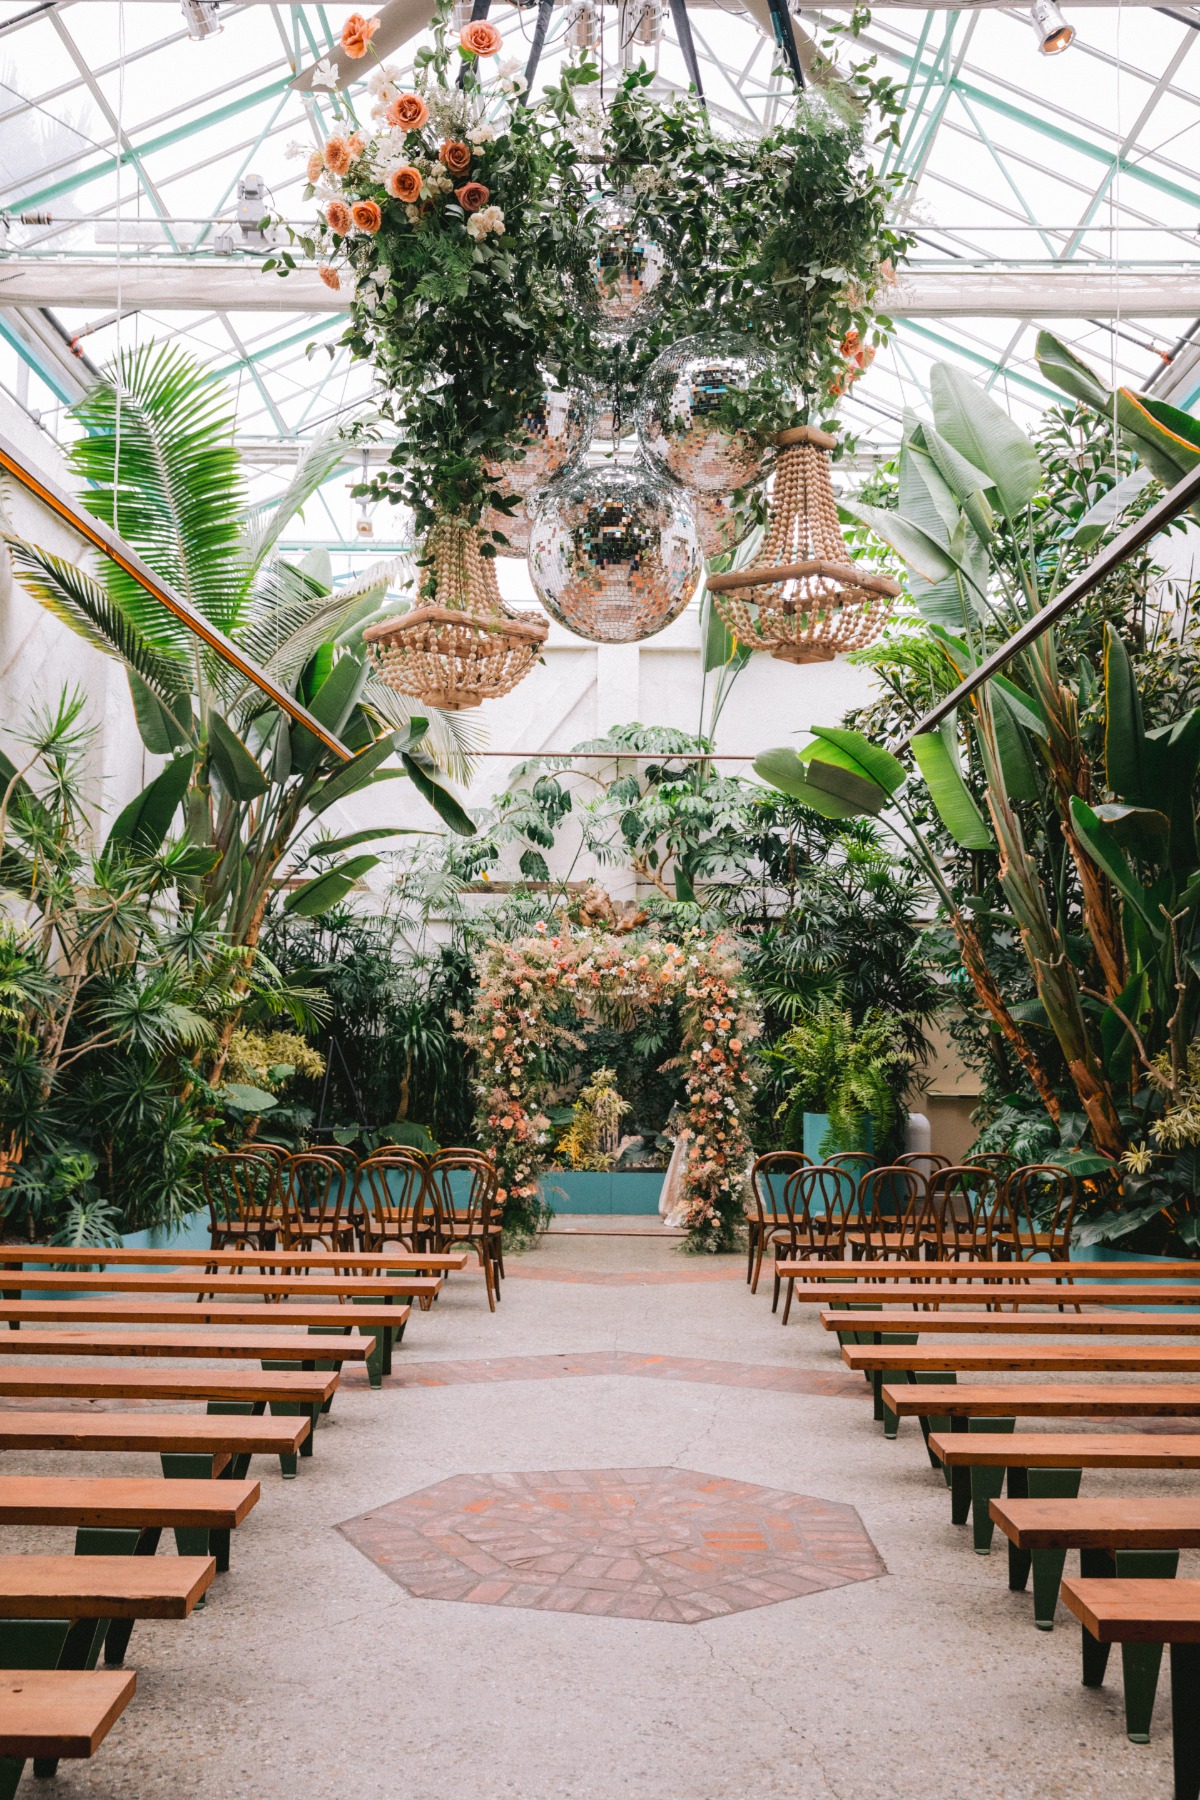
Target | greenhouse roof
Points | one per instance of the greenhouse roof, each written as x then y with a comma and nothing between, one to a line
1039,184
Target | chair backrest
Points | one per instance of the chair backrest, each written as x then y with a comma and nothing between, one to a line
240,1186
861,1162
1038,1212
391,1187
962,1199
819,1200
316,1189
1002,1162
470,1200
768,1182
925,1162
890,1211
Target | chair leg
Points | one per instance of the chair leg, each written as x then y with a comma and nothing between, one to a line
486,1260
758,1263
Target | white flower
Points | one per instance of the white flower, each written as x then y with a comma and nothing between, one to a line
488,219
325,74
509,66
482,134
413,214
295,150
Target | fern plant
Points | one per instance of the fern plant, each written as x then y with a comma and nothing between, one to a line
857,1074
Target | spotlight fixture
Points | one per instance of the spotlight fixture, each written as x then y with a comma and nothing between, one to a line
1052,31
582,29
201,18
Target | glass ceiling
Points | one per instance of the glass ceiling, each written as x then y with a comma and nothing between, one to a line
125,139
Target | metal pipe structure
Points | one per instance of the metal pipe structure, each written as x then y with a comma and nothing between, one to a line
1176,500
119,551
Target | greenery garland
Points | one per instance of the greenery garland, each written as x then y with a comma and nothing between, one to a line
535,992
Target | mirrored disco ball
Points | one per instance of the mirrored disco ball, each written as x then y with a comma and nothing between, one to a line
553,433
613,554
720,526
516,527
628,266
678,414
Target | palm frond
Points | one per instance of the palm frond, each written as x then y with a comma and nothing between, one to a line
78,599
263,525
160,467
452,739
301,621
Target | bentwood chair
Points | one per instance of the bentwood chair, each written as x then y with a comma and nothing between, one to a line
1001,1162
468,1220
242,1191
1036,1216
925,1162
818,1200
770,1220
962,1201
889,1216
392,1199
317,1212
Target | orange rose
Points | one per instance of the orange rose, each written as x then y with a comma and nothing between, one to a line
455,156
316,167
471,196
357,33
366,215
337,156
330,277
355,145
408,111
480,39
337,214
405,184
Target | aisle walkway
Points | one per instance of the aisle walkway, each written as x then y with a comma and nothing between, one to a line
620,1402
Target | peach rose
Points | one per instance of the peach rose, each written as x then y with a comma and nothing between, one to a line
316,167
456,156
366,215
405,184
330,277
480,39
337,215
355,144
357,33
408,111
337,156
471,196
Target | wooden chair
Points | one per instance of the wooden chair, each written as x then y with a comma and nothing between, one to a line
1036,1214
962,1201
817,1200
889,1214
316,1210
474,1224
925,1162
861,1162
768,1182
1001,1162
242,1191
394,1205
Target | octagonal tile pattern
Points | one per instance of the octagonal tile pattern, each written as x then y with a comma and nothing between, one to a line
666,1544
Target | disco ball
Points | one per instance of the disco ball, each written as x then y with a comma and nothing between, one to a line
516,527
613,554
720,525
628,267
682,392
551,433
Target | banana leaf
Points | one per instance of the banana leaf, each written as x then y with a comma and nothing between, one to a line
984,434
937,758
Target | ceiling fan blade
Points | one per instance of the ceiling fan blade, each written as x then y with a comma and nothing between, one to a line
399,20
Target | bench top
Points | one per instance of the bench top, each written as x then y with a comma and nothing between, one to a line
1056,1358
202,1434
60,1712
102,1587
1053,1324
173,1281
207,1312
303,1387
433,1261
1157,1523
1136,1612
979,1269
1060,1399
1065,1450
256,1346
124,1501
1027,1293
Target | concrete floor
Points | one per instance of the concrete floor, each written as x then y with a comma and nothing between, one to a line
310,1674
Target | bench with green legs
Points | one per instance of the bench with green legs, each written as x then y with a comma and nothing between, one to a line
51,1713
202,1447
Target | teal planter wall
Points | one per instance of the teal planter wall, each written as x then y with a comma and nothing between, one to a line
815,1127
598,1191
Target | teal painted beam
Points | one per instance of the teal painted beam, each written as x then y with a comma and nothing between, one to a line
911,329
109,165
297,337
43,374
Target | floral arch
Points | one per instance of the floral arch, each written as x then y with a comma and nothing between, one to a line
534,994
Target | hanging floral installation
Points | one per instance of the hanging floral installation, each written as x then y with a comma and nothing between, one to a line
535,995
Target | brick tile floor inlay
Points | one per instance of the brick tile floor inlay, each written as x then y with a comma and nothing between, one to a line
834,1382
665,1544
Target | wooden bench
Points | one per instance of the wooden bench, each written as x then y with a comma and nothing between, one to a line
1097,1322
128,1514
430,1262
385,1323
257,1346
1123,1611
399,1289
981,1270
53,1713
1049,1400
1014,1293
202,1446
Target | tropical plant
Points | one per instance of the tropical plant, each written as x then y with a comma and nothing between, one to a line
856,1072
592,1138
1058,748
158,464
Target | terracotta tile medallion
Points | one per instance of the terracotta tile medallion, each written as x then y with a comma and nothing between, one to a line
666,1544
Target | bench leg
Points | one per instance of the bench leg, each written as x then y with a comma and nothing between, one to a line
1185,1719
101,1541
986,1485
190,1540
929,1421
1047,1565
11,1770
1141,1662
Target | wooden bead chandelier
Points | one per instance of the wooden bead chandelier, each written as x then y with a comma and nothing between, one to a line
466,645
805,600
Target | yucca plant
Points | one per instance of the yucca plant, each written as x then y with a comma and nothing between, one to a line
158,464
